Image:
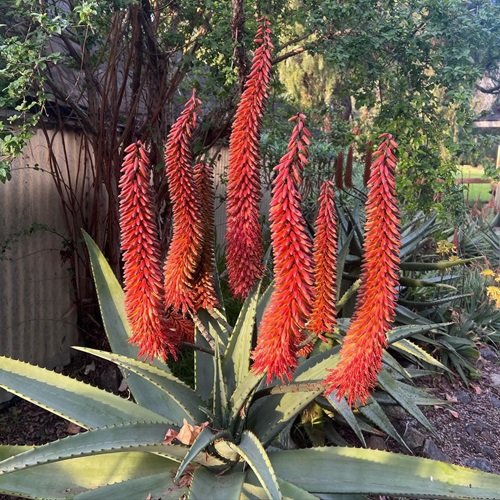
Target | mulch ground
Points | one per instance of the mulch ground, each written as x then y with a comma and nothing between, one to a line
466,430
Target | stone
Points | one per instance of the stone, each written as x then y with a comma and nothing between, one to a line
376,443
464,397
488,353
479,463
495,379
413,438
495,402
432,451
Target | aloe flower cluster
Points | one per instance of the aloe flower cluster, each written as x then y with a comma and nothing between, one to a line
361,353
324,315
152,331
302,307
244,232
282,326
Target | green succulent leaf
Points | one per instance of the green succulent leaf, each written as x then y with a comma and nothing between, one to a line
156,485
396,390
407,347
341,406
252,490
271,415
132,437
111,303
7,451
236,364
254,454
338,470
68,478
436,266
376,414
205,438
78,402
402,332
208,485
174,400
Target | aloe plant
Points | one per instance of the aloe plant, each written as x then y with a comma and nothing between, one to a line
124,453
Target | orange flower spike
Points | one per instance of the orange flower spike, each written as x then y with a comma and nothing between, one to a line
244,232
339,171
348,169
361,353
141,256
324,315
281,328
204,287
185,248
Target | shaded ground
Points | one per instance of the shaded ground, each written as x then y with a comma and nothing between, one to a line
466,430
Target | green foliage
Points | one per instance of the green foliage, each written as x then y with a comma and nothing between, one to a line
125,454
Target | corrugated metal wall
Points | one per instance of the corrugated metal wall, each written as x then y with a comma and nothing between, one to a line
37,315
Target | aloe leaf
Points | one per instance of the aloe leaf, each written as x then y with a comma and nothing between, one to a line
174,399
111,303
341,406
405,346
207,485
7,451
375,413
154,486
205,437
68,478
417,236
236,364
432,303
242,393
133,437
436,266
402,332
392,363
355,470
252,490
270,416
80,403
204,372
397,392
219,393
254,454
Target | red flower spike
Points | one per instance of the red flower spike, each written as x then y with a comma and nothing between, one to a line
151,330
204,287
361,353
244,233
339,171
281,329
185,248
348,169
368,164
324,315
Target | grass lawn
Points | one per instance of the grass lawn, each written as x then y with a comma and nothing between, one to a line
476,192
